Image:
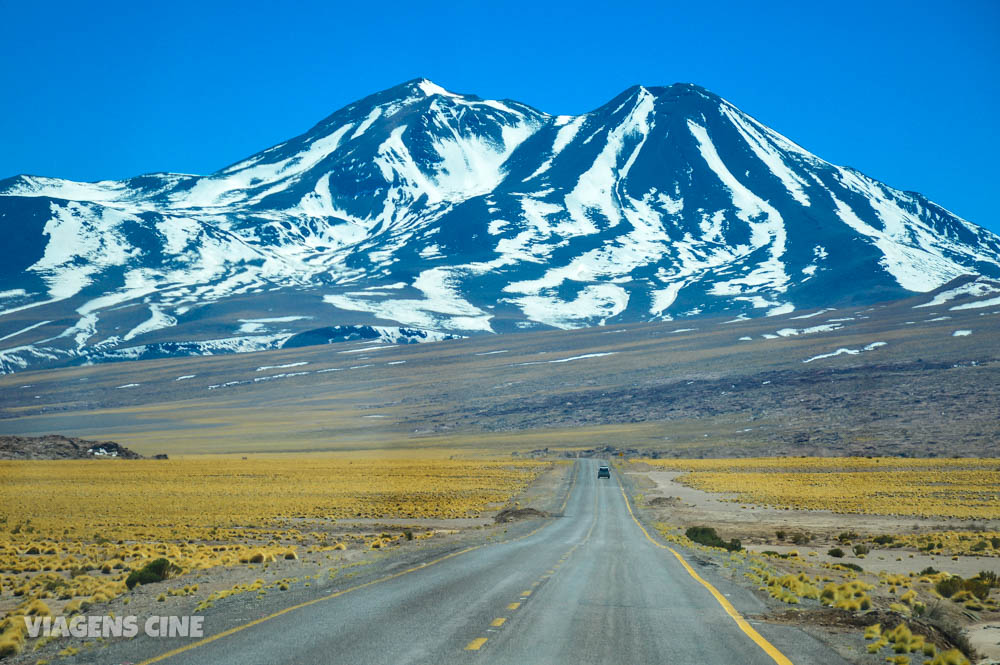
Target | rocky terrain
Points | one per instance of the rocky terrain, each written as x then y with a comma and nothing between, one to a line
55,446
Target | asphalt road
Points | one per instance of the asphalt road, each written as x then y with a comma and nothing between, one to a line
587,587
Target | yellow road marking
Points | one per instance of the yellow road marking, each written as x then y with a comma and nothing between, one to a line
499,621
475,644
758,639
236,629
292,608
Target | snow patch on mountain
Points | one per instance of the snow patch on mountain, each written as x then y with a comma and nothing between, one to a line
157,320
762,148
430,89
261,325
975,289
845,351
83,240
564,136
566,360
285,366
593,304
911,254
442,307
231,185
595,190
977,305
767,232
24,330
792,332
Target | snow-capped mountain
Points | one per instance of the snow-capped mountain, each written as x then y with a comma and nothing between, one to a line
417,213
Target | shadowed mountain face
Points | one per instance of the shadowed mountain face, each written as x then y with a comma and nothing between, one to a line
417,214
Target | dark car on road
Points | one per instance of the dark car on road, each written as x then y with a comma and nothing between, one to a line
603,472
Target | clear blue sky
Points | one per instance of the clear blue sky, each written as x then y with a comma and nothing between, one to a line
907,92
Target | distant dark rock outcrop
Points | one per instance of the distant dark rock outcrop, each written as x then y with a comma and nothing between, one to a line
515,514
55,446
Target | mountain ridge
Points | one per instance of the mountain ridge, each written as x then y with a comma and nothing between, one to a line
422,210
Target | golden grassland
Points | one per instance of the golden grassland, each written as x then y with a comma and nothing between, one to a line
71,531
967,488
126,498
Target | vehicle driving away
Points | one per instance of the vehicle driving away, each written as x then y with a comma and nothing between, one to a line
603,472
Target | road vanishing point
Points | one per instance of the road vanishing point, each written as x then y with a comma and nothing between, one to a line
592,585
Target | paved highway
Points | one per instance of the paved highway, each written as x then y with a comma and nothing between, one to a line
588,587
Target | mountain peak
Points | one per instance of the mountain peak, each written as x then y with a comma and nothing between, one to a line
418,209
430,88
689,91
688,96
416,88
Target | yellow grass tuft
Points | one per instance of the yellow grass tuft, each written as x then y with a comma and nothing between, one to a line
900,608
37,608
75,606
100,597
949,657
850,596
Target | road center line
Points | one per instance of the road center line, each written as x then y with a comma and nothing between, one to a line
525,594
476,644
337,594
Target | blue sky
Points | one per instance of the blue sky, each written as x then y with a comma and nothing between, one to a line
907,92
